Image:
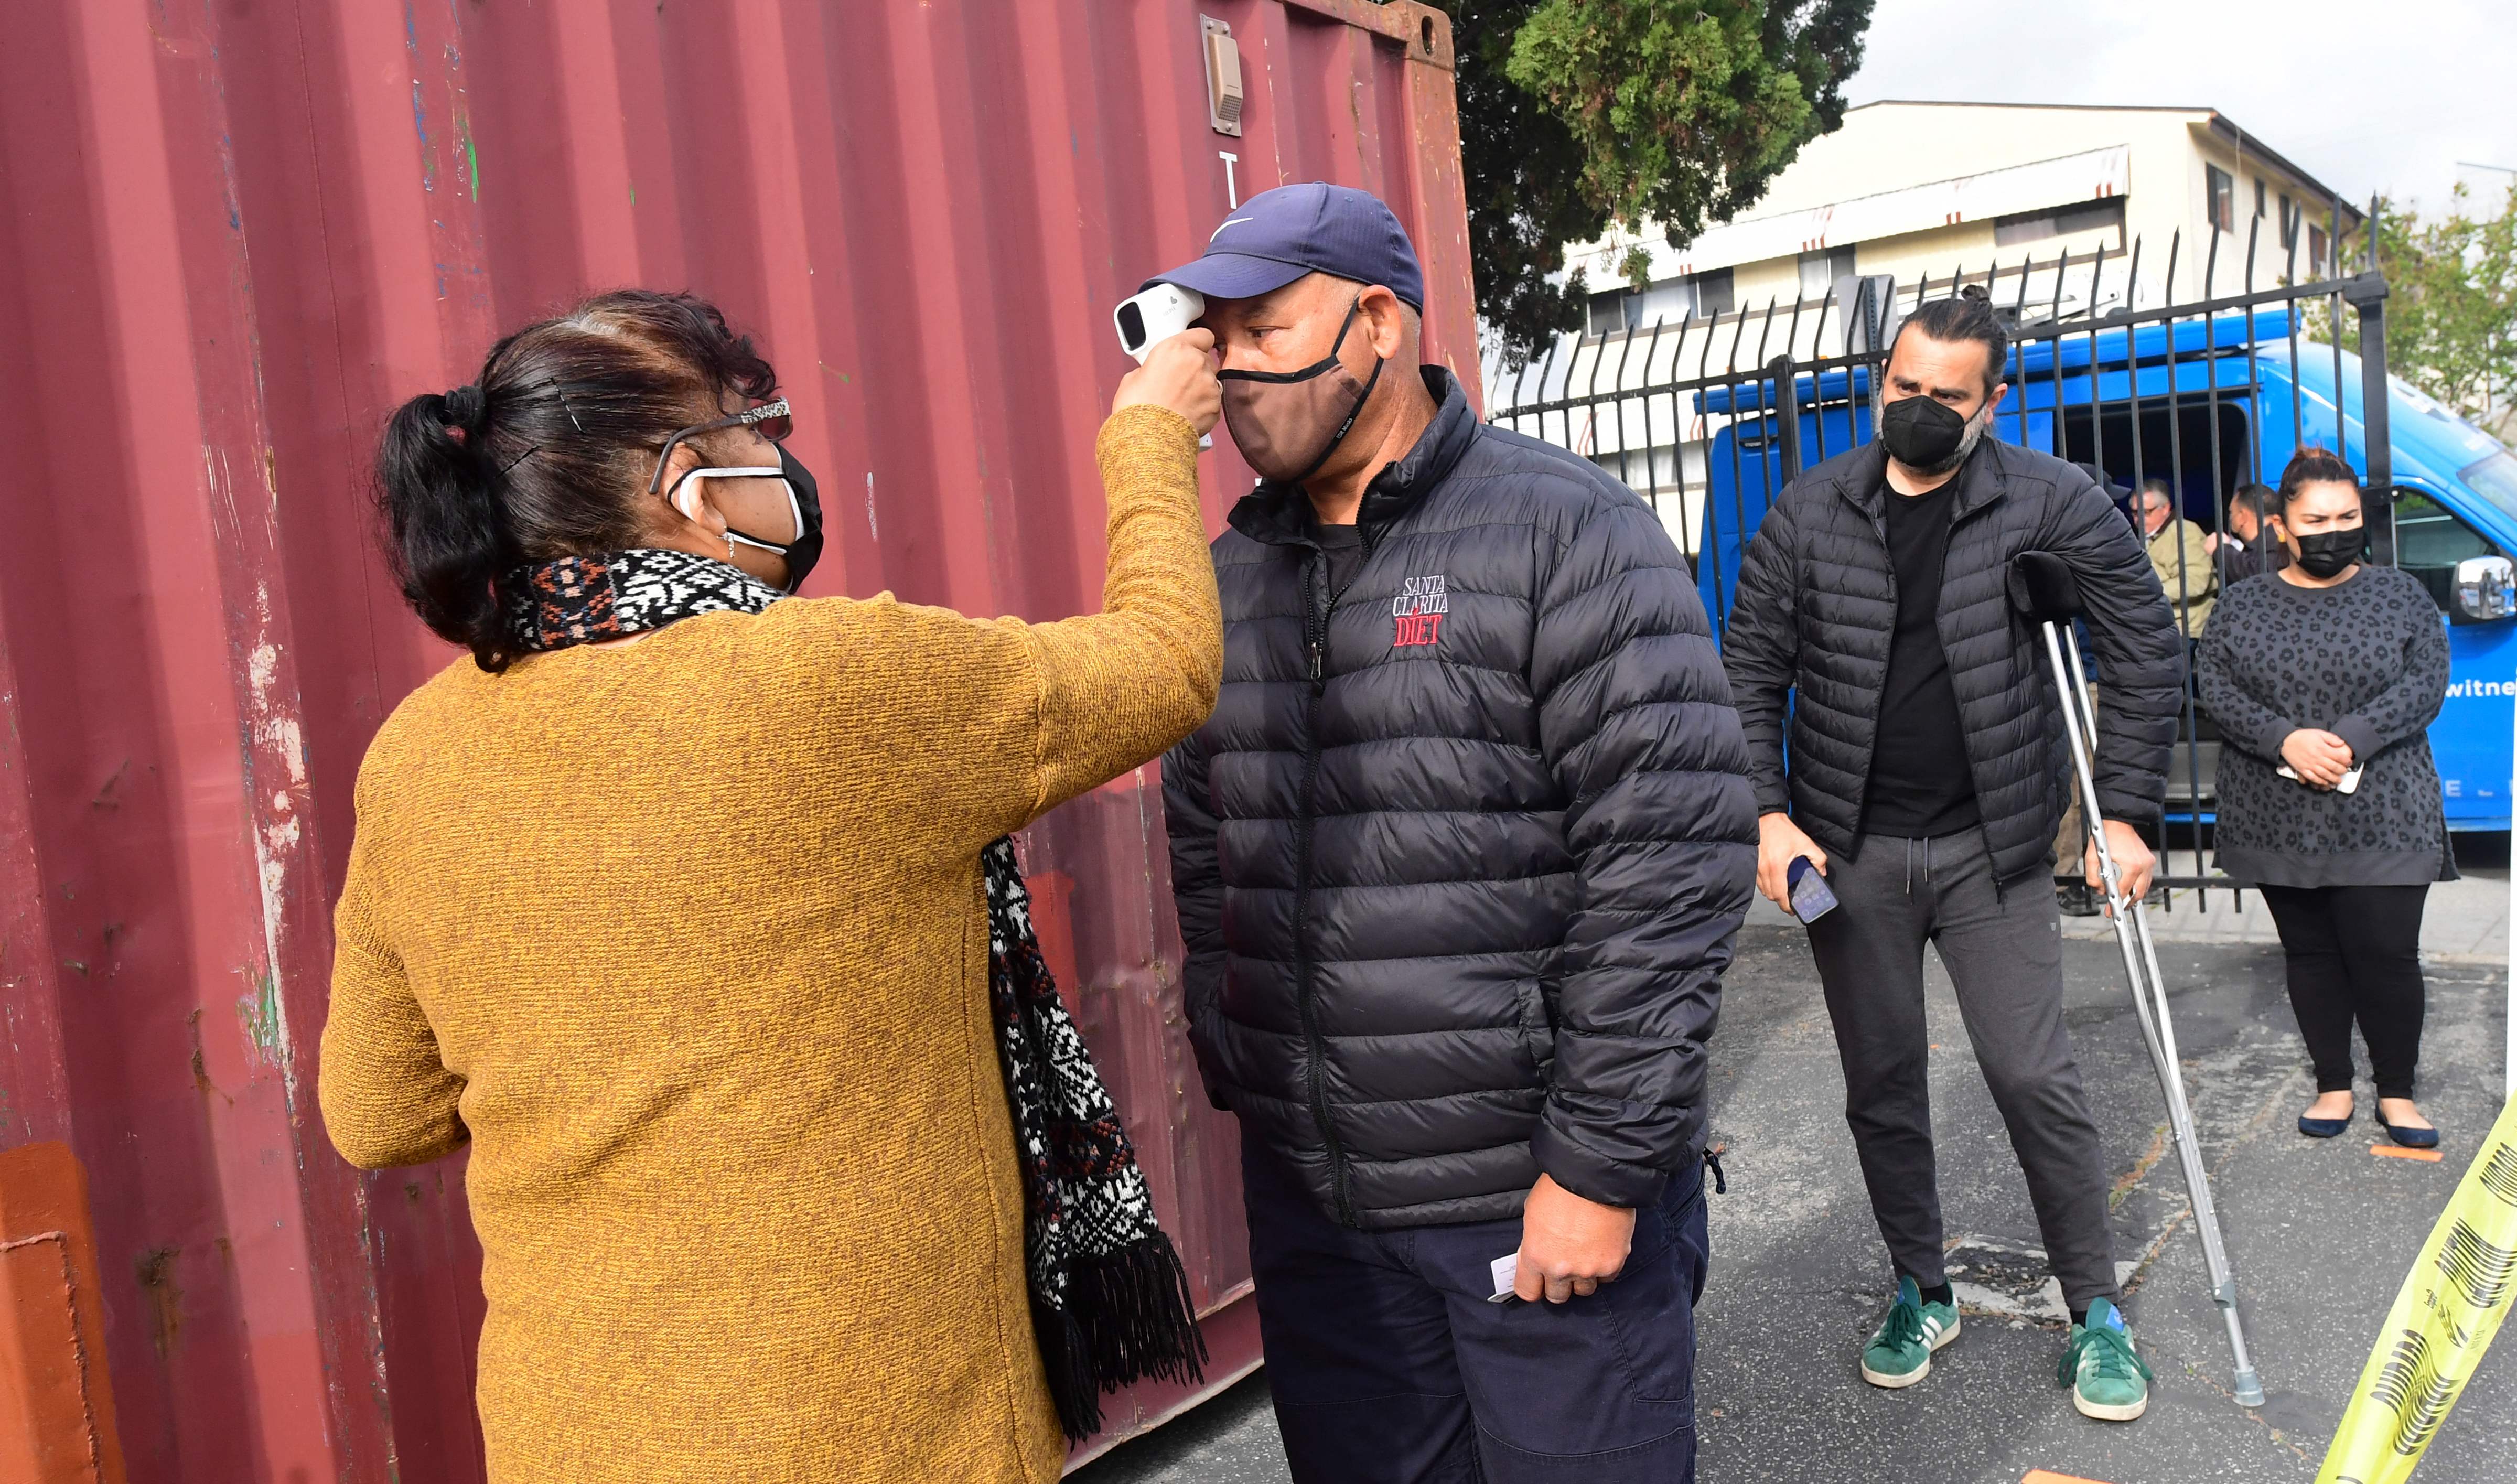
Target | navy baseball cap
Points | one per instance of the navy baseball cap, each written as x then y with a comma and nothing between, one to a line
1278,235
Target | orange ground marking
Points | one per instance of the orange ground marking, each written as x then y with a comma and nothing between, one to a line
2043,1476
2425,1156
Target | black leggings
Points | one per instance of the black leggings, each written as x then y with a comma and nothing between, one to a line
2354,952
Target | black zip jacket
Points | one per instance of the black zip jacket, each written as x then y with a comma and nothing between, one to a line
1461,854
1816,612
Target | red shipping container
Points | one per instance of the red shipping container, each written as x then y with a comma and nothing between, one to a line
235,236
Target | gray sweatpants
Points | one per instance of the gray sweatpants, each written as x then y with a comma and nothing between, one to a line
2004,952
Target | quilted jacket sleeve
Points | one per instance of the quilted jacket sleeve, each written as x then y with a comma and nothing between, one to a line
1761,649
1636,722
2140,656
1197,891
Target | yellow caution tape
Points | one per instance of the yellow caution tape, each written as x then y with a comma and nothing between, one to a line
2451,1306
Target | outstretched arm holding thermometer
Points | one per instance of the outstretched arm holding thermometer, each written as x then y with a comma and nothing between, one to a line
1176,372
1155,315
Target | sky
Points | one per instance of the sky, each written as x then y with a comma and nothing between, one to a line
2364,95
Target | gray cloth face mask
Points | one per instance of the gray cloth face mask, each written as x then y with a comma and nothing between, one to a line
1287,423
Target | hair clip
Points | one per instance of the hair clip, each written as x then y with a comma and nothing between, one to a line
564,405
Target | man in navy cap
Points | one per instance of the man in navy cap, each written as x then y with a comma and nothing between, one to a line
1459,860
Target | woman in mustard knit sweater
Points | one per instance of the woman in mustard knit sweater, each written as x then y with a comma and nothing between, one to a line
669,900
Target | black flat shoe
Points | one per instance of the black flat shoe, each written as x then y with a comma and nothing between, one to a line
2410,1138
2324,1129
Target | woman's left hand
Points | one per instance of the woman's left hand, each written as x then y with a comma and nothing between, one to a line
2317,756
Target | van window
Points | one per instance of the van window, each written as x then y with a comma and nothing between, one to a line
2494,479
2429,541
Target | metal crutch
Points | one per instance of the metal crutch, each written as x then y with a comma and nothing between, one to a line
2043,591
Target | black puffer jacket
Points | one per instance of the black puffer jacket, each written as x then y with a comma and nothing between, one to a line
1816,610
1458,882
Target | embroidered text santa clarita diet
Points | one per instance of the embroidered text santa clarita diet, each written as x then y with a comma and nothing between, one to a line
1419,610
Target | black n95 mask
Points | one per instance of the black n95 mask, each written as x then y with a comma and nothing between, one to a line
1923,435
2325,553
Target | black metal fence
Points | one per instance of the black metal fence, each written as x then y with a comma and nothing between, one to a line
1708,418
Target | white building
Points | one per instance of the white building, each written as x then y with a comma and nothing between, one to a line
1930,191
2062,211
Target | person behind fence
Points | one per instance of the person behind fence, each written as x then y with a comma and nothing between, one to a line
2181,556
667,901
1458,862
2325,677
1925,779
2244,545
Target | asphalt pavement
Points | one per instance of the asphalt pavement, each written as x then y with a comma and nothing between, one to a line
2320,1234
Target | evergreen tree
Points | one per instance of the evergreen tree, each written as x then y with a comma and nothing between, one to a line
1576,114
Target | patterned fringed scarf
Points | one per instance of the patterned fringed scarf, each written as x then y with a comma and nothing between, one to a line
1109,1302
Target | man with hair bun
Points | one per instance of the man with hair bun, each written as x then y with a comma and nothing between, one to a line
1924,780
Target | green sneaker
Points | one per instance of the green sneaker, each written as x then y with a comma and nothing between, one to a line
2107,1380
1899,1352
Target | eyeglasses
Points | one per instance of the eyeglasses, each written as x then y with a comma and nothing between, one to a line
774,421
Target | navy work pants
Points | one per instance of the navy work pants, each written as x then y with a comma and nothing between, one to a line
1390,1366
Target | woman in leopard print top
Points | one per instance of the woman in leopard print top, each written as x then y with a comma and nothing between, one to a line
2332,670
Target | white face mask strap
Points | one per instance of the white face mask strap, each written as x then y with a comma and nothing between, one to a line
795,506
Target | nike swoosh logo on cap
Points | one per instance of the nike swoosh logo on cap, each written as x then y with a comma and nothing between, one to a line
1227,222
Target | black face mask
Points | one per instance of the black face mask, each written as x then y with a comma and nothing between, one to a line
1923,435
2325,553
806,549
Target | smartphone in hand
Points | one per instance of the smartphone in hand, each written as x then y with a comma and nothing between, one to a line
1811,898
2350,778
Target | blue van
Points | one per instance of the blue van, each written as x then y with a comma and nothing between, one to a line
2241,399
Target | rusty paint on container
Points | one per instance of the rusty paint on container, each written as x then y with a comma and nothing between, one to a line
237,236
57,1422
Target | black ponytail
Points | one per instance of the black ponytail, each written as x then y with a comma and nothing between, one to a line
548,454
451,545
1968,317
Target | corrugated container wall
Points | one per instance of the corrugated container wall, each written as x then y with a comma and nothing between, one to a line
235,236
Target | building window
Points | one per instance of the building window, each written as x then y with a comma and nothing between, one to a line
1819,269
1607,311
2222,200
2315,248
1711,292
1615,310
2058,222
1696,296
2259,196
2289,223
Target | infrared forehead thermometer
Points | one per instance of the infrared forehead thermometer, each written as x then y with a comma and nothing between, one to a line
1154,317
